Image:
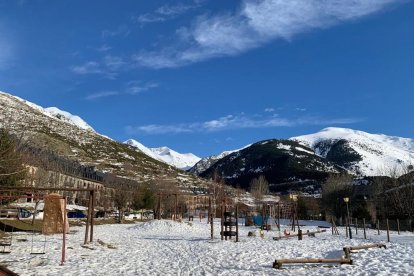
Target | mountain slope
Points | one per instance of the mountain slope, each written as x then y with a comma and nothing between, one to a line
280,161
206,162
41,128
182,161
361,152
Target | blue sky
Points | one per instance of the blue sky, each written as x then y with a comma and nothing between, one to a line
206,76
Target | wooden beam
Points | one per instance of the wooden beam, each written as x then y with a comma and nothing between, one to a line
349,249
296,235
279,262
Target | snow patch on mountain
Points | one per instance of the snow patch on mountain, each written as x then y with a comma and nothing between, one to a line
380,154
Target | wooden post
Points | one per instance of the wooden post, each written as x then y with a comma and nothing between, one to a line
263,216
363,224
92,213
410,226
398,226
278,216
159,206
225,210
64,233
210,219
237,223
87,220
388,231
356,226
222,220
299,234
332,225
175,207
378,227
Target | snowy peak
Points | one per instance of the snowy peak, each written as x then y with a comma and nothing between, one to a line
182,161
142,148
66,116
54,112
361,152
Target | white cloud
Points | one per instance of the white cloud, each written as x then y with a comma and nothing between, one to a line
90,67
114,63
269,109
121,30
136,87
103,48
101,95
109,66
254,24
131,88
166,12
241,121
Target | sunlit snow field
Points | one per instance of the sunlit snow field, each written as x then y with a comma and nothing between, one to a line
173,248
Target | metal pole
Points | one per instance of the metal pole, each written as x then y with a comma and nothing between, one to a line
349,226
388,231
365,233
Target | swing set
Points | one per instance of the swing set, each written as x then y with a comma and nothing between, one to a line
38,194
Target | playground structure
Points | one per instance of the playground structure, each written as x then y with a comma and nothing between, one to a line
41,194
229,223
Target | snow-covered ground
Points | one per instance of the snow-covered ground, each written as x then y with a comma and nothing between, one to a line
172,248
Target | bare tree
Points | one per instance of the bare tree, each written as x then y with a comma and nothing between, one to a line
121,199
259,187
12,171
335,188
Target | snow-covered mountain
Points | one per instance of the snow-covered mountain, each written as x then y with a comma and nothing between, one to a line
182,161
66,116
51,130
54,112
361,152
206,162
142,148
